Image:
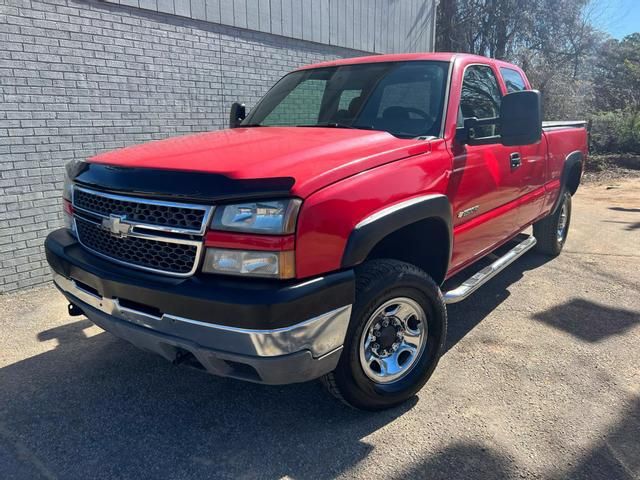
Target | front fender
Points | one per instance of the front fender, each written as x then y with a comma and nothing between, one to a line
371,230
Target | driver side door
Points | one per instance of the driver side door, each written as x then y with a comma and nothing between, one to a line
482,189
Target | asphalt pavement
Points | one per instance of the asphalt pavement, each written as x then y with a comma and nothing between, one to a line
541,379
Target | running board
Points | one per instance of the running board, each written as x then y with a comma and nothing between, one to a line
471,284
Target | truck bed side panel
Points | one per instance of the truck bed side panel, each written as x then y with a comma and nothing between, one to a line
561,142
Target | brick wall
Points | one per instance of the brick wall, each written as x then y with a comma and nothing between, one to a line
80,77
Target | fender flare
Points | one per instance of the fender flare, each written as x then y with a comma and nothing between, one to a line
574,158
368,232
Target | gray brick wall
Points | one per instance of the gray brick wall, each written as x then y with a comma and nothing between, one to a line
80,77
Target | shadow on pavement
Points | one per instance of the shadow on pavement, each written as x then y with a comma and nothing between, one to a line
464,316
462,461
99,408
624,209
617,455
588,320
630,226
99,405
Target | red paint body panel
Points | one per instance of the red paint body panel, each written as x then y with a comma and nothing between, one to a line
314,157
244,241
346,175
330,215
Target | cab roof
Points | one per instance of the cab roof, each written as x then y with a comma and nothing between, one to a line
400,57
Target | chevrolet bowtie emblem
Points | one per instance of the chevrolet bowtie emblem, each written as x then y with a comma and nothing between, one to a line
116,226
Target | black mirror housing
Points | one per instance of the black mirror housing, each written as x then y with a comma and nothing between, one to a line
466,135
521,118
237,114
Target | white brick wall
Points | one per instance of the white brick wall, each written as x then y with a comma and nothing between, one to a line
80,77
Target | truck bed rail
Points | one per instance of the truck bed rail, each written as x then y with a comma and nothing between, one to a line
564,124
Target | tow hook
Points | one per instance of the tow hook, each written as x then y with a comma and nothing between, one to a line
74,310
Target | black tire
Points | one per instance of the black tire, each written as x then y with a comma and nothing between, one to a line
377,282
546,231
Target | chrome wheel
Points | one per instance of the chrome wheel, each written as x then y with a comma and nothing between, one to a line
393,340
562,221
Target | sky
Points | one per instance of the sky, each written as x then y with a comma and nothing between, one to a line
617,17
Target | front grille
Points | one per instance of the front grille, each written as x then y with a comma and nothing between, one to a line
172,258
150,213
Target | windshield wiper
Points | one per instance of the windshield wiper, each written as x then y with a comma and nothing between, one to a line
337,125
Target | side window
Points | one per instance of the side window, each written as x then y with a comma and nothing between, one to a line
512,79
480,98
301,106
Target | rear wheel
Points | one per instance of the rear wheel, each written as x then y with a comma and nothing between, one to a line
395,337
551,232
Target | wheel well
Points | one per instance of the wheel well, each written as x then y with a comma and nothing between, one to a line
424,244
573,179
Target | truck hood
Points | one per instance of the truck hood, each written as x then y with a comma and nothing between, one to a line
311,157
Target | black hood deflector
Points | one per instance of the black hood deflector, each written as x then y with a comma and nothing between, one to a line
175,184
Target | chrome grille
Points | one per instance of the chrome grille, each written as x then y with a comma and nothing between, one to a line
154,254
155,236
160,214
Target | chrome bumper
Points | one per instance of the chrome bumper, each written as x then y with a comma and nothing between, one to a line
319,335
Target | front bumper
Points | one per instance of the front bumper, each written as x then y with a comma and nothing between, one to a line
262,331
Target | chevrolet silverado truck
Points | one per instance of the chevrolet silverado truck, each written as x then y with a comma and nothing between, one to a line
313,237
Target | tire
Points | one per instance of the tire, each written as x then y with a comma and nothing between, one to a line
549,232
357,382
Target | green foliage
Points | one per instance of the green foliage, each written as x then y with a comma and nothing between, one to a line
617,71
617,131
616,86
581,72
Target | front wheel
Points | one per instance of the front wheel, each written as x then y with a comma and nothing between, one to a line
395,337
551,232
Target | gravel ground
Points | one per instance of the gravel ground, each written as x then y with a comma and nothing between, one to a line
611,168
541,380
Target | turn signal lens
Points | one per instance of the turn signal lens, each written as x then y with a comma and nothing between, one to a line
250,263
67,216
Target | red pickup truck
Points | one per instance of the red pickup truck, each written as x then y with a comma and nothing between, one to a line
312,238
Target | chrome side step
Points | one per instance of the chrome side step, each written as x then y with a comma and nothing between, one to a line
471,284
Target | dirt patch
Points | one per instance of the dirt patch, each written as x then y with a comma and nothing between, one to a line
611,167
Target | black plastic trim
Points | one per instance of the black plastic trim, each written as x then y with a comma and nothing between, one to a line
573,159
231,301
175,184
363,238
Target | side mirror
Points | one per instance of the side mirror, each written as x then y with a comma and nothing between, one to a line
237,114
466,134
521,118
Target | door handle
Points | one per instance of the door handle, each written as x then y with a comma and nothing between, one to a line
516,161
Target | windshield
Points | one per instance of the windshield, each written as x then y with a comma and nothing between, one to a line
403,98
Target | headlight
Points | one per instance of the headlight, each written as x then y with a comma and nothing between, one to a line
273,217
249,263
